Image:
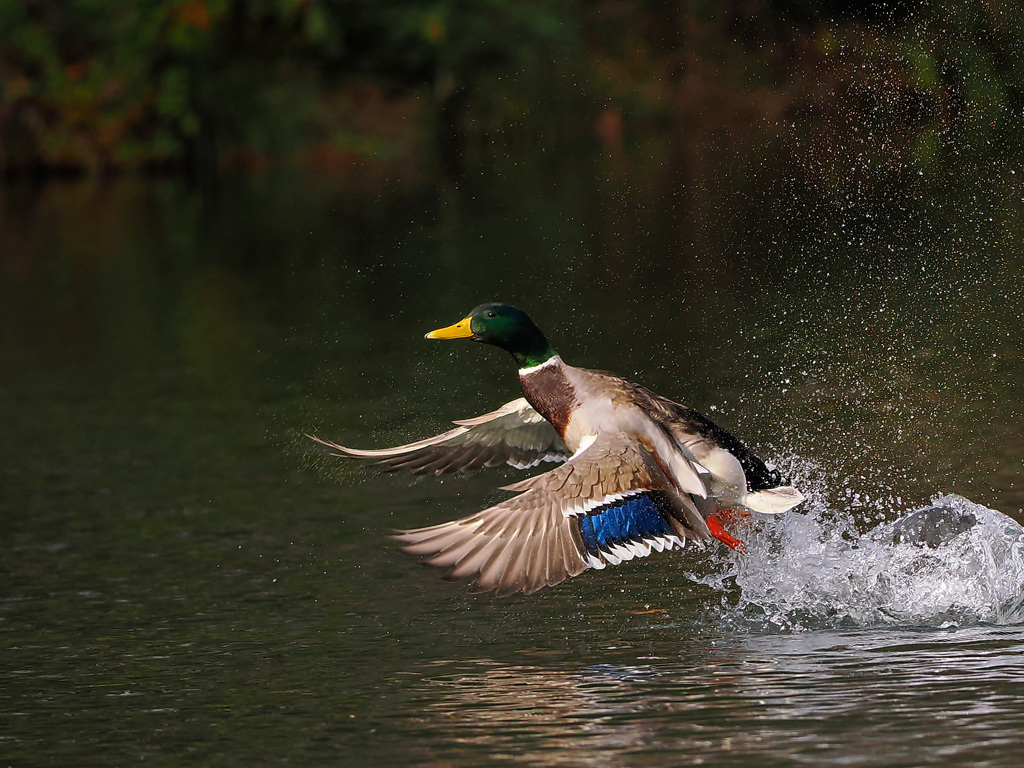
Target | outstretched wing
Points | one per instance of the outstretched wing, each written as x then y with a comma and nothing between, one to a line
609,503
514,434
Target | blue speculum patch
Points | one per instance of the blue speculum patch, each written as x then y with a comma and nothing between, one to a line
637,518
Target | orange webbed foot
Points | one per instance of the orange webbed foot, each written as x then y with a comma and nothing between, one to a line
719,532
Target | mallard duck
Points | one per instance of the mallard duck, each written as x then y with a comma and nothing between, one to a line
637,472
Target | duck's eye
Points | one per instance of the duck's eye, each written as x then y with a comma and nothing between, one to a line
492,313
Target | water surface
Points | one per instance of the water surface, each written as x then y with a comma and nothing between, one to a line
186,578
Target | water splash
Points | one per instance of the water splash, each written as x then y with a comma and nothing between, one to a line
953,564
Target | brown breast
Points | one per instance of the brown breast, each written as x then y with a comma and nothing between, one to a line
550,393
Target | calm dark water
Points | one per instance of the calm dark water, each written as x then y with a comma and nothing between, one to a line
185,578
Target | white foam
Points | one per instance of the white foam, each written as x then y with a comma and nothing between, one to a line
814,570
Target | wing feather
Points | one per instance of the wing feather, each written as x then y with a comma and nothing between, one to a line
532,540
514,434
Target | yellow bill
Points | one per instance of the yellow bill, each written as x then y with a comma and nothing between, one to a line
460,330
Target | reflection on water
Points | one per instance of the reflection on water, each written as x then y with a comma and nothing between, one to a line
805,698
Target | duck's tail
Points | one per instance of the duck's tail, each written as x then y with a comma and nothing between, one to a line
773,501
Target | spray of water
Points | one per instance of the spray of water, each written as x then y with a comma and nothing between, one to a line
956,563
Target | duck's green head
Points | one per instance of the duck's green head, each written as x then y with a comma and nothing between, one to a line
503,326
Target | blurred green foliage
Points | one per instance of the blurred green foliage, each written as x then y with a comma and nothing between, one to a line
109,84
104,84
